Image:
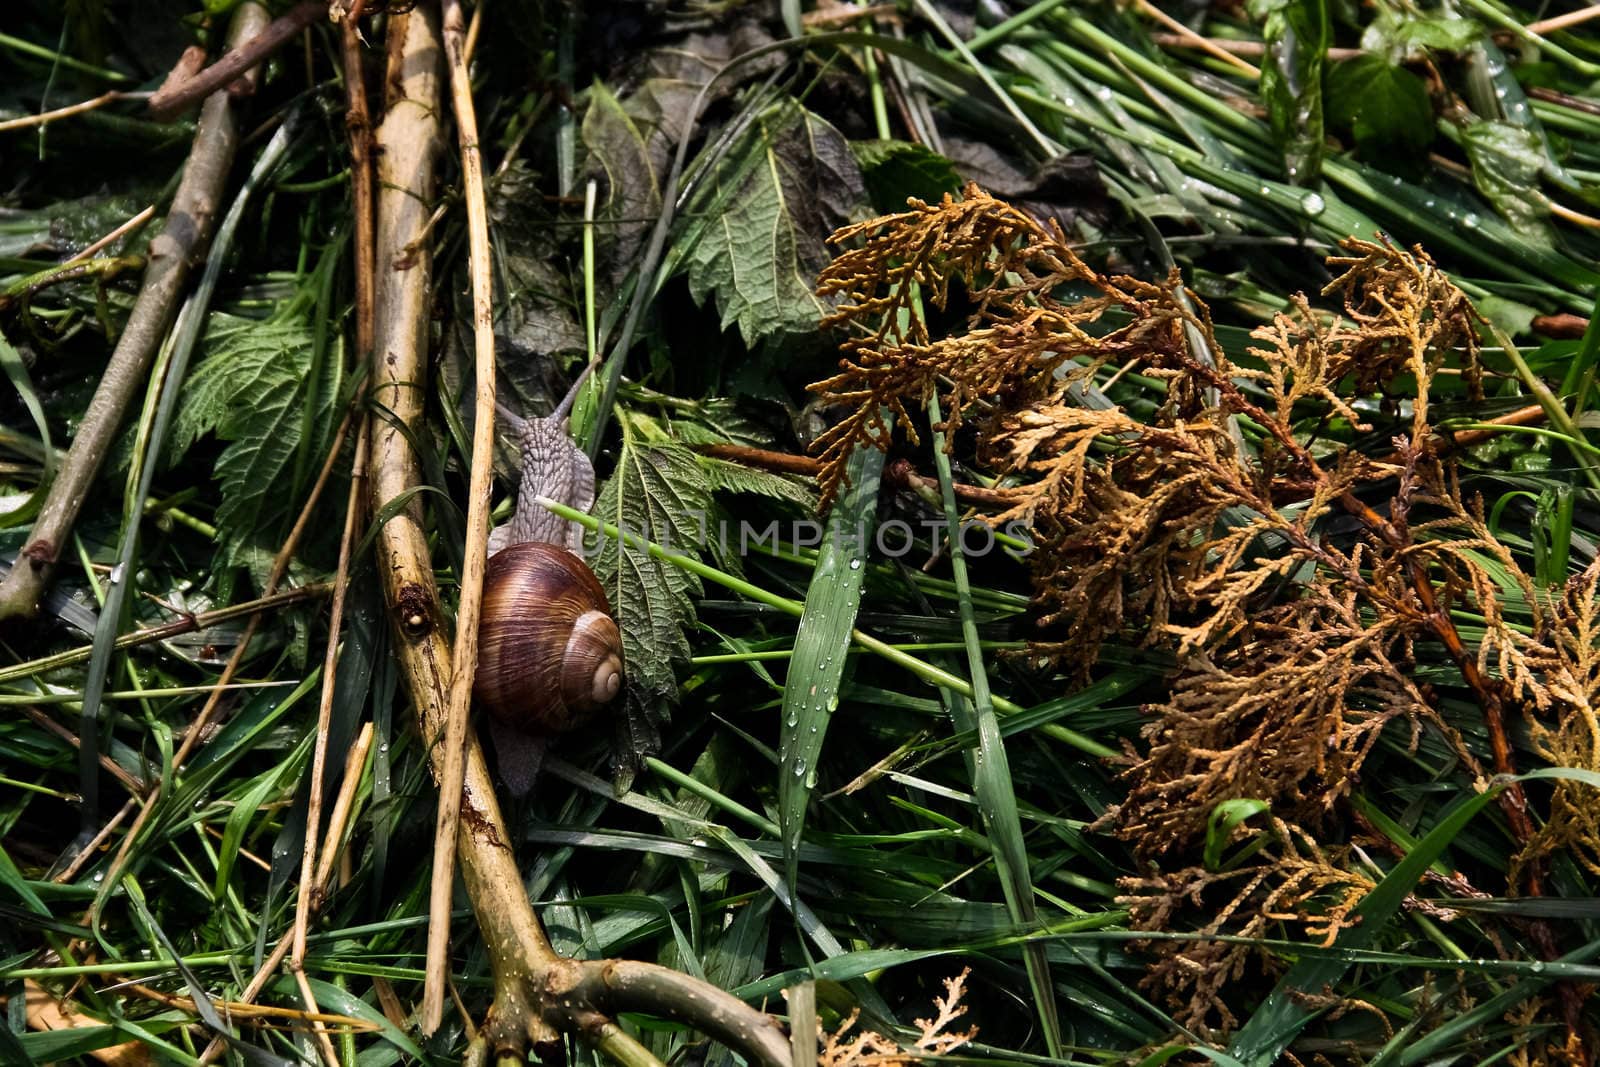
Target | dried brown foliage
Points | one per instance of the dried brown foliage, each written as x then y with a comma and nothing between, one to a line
1293,579
847,1046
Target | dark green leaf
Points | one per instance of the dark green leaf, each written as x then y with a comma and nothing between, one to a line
659,491
1506,163
1385,107
772,202
1296,36
896,170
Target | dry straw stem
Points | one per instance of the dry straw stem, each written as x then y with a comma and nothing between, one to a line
475,553
537,994
197,729
359,130
188,228
44,118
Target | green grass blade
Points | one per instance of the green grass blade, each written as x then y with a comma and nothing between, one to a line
987,763
811,690
1285,1013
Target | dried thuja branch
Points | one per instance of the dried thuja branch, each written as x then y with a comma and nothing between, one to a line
1292,881
1007,261
1566,657
1214,531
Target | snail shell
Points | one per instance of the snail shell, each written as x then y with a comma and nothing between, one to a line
549,653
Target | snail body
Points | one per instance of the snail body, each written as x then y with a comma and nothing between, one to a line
549,652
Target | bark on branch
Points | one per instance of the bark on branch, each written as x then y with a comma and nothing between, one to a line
537,994
180,244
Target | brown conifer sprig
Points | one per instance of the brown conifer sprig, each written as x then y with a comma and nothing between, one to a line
1293,582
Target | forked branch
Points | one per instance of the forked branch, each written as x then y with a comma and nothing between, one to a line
537,994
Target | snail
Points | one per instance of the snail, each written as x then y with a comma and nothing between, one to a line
549,652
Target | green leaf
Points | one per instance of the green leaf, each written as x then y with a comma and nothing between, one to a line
660,491
771,202
631,189
730,477
1296,36
1286,1011
1385,107
811,688
896,170
1224,817
1403,35
250,390
1506,163
1510,315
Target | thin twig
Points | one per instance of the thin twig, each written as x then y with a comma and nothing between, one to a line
1237,48
898,473
188,228
244,56
280,566
358,126
1565,21
465,654
324,1044
115,235
176,628
252,989
355,762
44,118
330,662
133,785
1563,326
1194,40
1574,103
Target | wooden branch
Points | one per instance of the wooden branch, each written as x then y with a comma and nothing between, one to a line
475,552
181,242
614,986
899,473
242,57
537,994
406,147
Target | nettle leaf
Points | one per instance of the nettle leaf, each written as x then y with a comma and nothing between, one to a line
660,491
771,202
250,390
1401,36
895,170
1506,163
1296,36
1385,107
728,476
622,155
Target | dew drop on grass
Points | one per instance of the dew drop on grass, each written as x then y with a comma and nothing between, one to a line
800,768
1313,204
